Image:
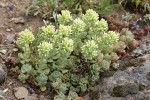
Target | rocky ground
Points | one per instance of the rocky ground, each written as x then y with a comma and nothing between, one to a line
130,82
12,21
130,79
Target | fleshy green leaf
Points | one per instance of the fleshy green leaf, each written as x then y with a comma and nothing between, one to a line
26,68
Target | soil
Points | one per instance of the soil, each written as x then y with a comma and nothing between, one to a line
10,9
9,28
13,20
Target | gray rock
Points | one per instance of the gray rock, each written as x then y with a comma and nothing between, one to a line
10,38
144,95
127,84
138,52
2,76
19,28
18,20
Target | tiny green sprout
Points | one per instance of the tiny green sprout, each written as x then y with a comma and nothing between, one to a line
60,96
72,95
42,81
15,69
23,77
83,84
147,17
26,68
63,88
104,65
55,75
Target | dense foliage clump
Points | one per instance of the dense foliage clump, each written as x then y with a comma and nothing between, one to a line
70,56
46,8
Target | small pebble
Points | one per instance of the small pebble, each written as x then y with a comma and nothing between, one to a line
21,92
18,20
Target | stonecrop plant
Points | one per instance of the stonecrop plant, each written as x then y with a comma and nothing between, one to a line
70,56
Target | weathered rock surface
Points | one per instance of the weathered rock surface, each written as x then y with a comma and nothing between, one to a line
125,89
143,48
132,83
